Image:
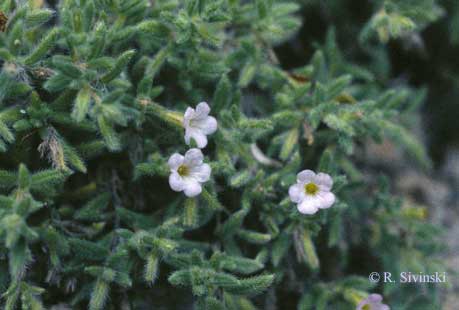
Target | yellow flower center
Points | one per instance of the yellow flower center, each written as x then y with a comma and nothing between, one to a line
311,189
183,170
366,307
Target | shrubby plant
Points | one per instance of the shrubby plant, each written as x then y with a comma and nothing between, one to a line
98,99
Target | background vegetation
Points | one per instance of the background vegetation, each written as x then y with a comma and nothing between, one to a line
87,218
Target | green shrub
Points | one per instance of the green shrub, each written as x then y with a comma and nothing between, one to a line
92,98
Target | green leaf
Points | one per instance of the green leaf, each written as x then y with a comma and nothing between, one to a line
252,286
290,142
99,295
81,106
212,303
57,82
6,133
233,223
326,161
247,74
254,237
120,65
43,47
180,278
7,179
240,265
211,200
311,257
67,68
222,95
24,179
240,179
280,247
108,133
19,259
152,69
151,268
190,213
37,17
46,178
262,8
221,279
335,231
72,157
93,210
87,250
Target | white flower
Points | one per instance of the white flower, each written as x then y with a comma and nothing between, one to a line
312,191
188,172
198,124
372,302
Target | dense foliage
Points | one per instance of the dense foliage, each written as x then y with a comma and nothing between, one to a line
92,94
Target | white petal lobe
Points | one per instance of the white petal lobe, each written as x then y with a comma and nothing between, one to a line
193,157
176,182
326,200
189,113
209,125
324,181
175,161
202,109
201,173
192,188
308,206
305,176
296,193
200,138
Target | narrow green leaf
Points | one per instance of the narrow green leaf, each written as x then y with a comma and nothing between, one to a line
151,268
108,133
252,286
6,133
43,47
99,295
81,106
120,65
190,214
310,250
253,236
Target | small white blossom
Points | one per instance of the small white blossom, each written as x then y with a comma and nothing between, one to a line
312,191
198,124
372,302
188,172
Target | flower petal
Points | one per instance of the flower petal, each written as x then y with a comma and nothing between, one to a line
202,110
296,193
175,161
188,135
375,298
189,114
308,206
193,157
192,188
327,199
199,137
208,125
324,181
305,176
176,182
201,173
